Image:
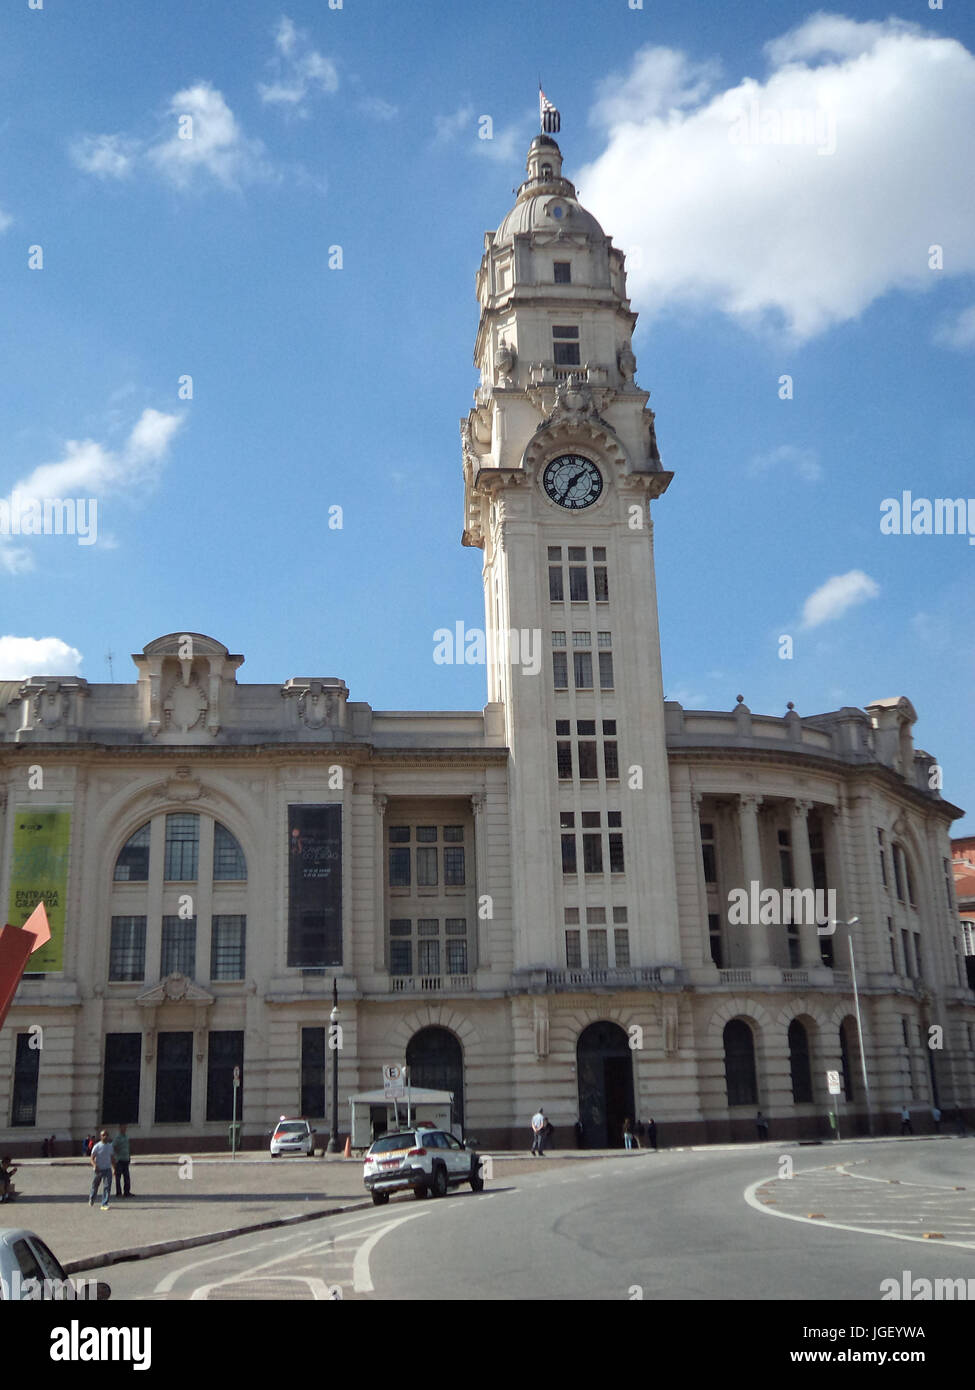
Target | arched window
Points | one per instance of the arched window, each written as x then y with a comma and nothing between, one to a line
546,171
436,1062
228,857
802,1092
739,1063
132,864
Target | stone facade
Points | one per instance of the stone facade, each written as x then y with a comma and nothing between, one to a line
581,896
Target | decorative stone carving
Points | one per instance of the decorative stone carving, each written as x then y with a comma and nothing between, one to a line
185,704
627,363
182,786
504,361
319,701
175,989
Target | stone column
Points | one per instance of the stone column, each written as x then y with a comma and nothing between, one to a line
479,949
702,936
751,863
809,953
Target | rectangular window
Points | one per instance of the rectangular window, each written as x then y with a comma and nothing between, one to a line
182,848
906,949
600,583
426,834
893,944
565,346
596,916
132,864
917,955
174,1077
586,728
616,865
178,955
620,914
598,950
571,916
883,857
225,1050
611,765
426,867
555,554
564,758
714,937
582,670
399,834
122,1077
400,946
313,1073
621,945
578,584
227,937
606,670
456,944
563,272
556,592
590,820
709,852
573,950
454,868
785,859
399,868
453,834
560,670
27,1064
568,854
587,760
127,955
898,875
592,854
428,947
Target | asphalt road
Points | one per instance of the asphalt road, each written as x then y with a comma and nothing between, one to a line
716,1224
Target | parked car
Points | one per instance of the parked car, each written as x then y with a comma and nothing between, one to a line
427,1160
292,1137
29,1270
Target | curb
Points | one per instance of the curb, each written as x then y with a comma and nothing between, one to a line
168,1247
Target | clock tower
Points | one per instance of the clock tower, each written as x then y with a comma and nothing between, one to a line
560,468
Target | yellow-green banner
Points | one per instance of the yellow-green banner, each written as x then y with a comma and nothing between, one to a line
39,871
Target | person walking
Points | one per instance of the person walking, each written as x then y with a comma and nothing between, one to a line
936,1117
652,1133
120,1148
761,1124
539,1123
627,1134
103,1162
906,1126
7,1169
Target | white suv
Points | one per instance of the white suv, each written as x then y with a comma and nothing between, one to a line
292,1137
427,1160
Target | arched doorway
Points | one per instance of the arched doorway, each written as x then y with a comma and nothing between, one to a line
436,1062
605,1071
739,1063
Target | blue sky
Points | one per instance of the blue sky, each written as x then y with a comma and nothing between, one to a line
754,253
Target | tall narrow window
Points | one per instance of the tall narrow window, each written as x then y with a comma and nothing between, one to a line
802,1091
621,944
178,946
563,272
27,1063
714,937
582,660
739,1063
709,852
578,583
127,955
121,1082
560,661
598,950
227,941
883,857
225,1051
565,346
556,592
182,847
588,769
401,946
573,949
785,859
313,1073
228,857
174,1077
132,864
455,930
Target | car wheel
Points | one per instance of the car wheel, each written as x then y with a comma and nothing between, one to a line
421,1192
477,1181
274,1155
379,1199
438,1186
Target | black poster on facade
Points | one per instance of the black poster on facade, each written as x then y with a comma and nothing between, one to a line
314,885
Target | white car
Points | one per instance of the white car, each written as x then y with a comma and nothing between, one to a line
427,1160
292,1137
30,1271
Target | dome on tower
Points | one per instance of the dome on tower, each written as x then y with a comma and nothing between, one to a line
547,202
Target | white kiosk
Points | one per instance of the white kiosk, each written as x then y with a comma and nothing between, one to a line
374,1113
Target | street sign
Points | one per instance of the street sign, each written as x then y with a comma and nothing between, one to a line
394,1082
236,1076
833,1082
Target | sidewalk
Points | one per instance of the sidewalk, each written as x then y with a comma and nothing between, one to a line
176,1205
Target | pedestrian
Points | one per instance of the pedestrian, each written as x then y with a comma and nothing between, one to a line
50,1145
936,1116
549,1130
538,1133
103,1163
120,1148
7,1170
45,1147
761,1124
906,1126
580,1132
627,1134
652,1133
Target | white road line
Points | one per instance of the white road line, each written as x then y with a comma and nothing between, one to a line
166,1283
753,1201
321,1291
361,1278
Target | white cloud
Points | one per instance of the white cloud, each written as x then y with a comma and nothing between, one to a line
959,331
211,141
107,156
447,128
89,470
5,220
21,657
804,462
299,70
803,197
378,109
832,599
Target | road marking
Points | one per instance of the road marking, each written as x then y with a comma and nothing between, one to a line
166,1284
361,1278
321,1291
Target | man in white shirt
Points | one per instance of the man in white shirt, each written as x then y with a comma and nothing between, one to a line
539,1124
103,1162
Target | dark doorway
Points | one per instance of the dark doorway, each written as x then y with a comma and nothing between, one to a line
436,1062
605,1069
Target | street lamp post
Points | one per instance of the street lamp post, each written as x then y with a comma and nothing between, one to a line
333,1018
856,1006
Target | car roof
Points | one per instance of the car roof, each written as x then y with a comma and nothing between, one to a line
8,1234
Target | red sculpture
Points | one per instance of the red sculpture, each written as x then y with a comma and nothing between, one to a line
17,945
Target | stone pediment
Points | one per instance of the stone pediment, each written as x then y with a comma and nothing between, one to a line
175,989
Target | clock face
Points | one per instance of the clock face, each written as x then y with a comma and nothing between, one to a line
572,481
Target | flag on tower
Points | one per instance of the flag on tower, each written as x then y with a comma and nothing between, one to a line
547,114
